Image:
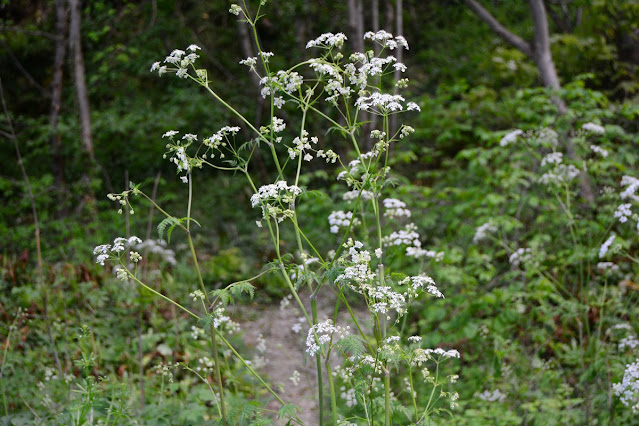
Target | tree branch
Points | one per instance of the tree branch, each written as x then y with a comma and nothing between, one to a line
510,38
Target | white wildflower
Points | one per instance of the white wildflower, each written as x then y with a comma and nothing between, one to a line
628,389
495,396
632,185
594,128
560,175
395,208
623,212
599,150
328,40
606,245
520,256
483,231
510,137
552,158
326,332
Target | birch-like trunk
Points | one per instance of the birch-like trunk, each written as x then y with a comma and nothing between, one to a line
80,79
56,94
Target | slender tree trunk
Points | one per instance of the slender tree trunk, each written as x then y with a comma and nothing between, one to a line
356,24
80,78
56,100
542,54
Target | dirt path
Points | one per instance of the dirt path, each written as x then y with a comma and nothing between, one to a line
271,330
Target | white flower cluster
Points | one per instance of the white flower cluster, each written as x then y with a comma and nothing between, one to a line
552,158
350,175
219,140
420,283
221,319
408,236
282,82
349,396
328,41
632,185
181,59
395,208
105,251
329,155
546,137
122,199
386,39
594,128
623,212
178,151
302,146
560,175
604,267
279,192
520,256
197,294
295,378
599,150
606,246
510,137
326,332
197,332
629,342
483,230
336,88
421,356
205,365
384,103
628,389
358,274
339,219
322,67
406,131
495,396
353,195
383,299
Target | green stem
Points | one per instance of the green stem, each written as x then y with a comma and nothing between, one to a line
168,299
387,396
412,391
214,349
331,385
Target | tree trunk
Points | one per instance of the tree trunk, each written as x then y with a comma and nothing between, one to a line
542,54
56,97
356,24
80,79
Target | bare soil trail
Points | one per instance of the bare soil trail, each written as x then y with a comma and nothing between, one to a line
278,334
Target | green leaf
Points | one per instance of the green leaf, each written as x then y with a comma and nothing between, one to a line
287,411
353,344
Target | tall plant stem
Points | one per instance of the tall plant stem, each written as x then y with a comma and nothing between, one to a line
331,386
320,386
214,348
387,419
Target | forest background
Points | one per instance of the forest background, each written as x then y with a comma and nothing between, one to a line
88,117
